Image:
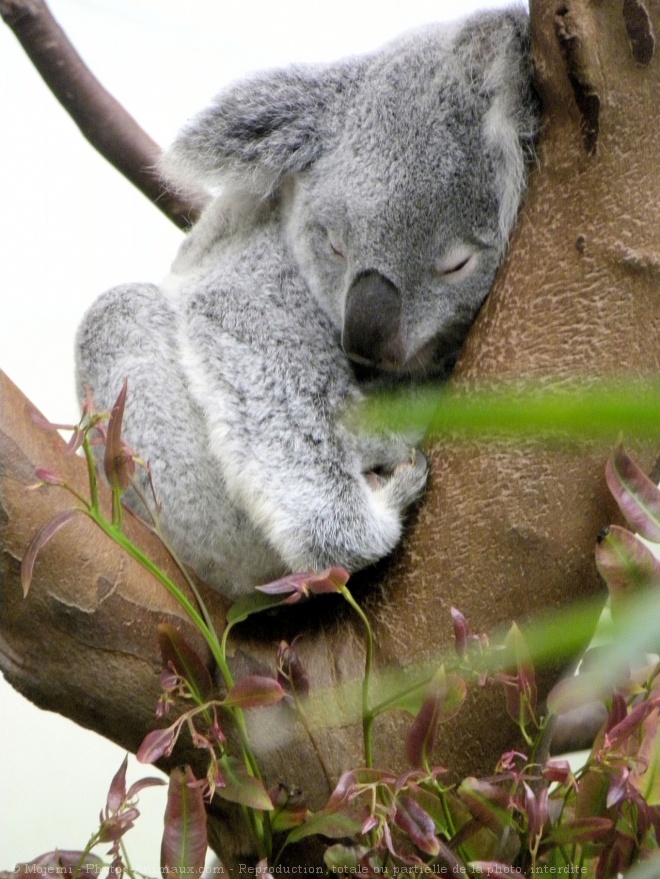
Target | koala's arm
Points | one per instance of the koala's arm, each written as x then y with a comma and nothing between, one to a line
272,383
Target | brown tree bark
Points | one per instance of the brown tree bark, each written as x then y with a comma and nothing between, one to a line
505,532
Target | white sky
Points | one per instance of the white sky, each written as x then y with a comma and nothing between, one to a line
71,227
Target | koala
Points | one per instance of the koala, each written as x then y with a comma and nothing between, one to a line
360,210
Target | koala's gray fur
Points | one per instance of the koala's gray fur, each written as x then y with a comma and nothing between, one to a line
363,209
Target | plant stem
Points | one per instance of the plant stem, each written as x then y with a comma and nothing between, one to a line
209,636
367,714
156,529
83,858
91,474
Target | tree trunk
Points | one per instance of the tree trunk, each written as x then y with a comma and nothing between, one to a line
506,531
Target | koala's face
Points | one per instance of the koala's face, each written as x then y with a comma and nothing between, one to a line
396,231
398,228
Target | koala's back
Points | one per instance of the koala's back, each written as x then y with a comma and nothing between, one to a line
236,383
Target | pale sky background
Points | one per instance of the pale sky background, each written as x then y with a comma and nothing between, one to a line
71,227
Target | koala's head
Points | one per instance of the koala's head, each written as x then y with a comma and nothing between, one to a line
400,175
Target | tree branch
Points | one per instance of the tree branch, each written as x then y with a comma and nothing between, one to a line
109,128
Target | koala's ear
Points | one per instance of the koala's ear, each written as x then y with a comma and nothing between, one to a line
511,123
258,130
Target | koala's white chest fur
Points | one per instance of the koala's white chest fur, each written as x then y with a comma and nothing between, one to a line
366,206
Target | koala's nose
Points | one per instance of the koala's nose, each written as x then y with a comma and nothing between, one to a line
372,321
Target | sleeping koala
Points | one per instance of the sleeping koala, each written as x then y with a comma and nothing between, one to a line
361,211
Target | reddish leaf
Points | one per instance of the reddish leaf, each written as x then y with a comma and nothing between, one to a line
617,856
40,539
618,711
636,495
625,564
242,788
143,783
632,722
618,788
252,691
291,674
417,824
536,806
158,743
460,632
75,442
445,696
118,466
183,850
412,777
346,785
113,827
187,662
406,858
297,586
43,422
557,770
48,476
117,791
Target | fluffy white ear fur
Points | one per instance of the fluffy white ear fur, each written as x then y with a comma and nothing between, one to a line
258,130
510,127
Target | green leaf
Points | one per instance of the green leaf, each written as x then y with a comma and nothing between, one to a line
344,858
254,602
183,850
579,830
521,696
187,662
334,825
589,411
432,804
241,787
487,803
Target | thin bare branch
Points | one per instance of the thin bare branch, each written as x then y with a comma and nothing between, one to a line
102,120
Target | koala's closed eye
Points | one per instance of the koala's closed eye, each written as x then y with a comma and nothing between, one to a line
460,262
336,243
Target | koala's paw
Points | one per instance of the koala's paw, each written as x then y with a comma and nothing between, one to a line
405,484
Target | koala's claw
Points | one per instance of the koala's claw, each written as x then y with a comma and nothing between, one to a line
406,483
